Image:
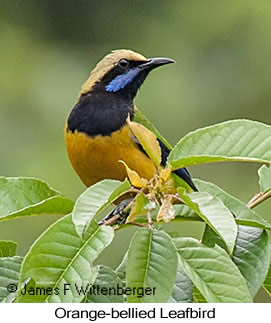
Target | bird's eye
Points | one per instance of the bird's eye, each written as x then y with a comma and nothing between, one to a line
123,63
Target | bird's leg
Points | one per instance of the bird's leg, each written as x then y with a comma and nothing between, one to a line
118,215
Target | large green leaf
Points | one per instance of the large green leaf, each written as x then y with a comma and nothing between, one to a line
107,287
61,257
152,262
243,214
29,196
121,269
182,290
184,213
214,213
235,140
267,282
95,199
210,238
251,254
9,276
265,178
212,271
7,248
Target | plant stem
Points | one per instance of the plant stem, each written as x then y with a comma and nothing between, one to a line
258,198
134,190
138,224
176,197
150,220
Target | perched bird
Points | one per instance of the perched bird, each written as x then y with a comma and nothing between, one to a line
97,135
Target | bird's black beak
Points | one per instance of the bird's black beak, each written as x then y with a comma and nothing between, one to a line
152,63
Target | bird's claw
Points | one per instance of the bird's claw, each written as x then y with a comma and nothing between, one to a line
119,210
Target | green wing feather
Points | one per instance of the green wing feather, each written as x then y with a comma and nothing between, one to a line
139,117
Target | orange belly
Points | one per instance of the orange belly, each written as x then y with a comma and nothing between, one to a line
97,158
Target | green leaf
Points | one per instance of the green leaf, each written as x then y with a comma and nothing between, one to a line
7,248
243,214
179,182
152,262
121,269
267,282
61,257
182,290
214,213
9,276
252,256
106,280
140,206
235,140
210,238
212,271
29,196
265,178
94,200
183,212
197,296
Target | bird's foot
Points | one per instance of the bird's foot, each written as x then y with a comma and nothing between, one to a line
118,215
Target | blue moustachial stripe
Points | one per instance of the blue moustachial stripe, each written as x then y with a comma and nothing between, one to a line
120,81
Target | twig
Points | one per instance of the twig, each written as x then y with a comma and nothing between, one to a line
137,223
258,198
134,190
119,227
150,220
176,197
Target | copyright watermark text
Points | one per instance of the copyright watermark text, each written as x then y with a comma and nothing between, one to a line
83,290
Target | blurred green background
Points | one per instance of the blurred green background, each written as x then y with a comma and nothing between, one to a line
48,48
